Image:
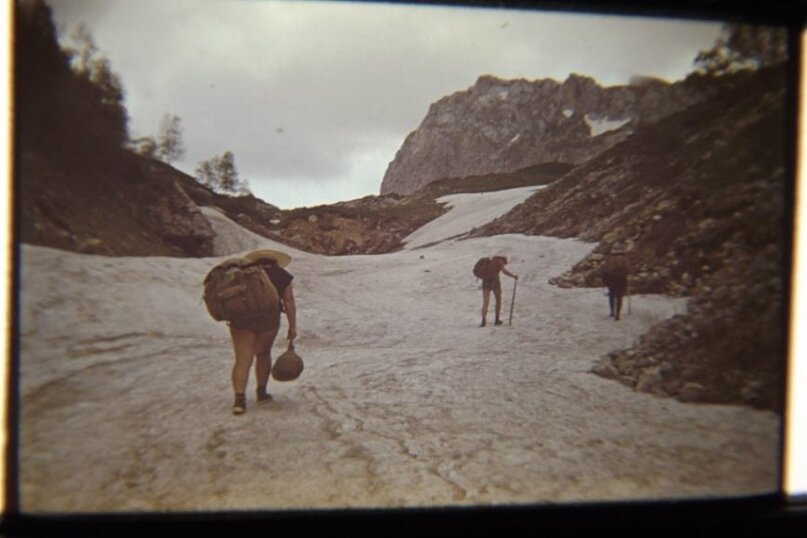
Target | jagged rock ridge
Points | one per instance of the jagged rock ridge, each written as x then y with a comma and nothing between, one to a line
505,125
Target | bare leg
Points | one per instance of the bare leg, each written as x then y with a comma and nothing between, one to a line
244,349
618,307
611,304
263,362
497,293
485,304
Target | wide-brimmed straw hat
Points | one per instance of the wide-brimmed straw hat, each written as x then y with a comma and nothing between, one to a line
288,366
281,258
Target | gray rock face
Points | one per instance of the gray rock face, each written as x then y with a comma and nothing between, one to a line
181,222
505,125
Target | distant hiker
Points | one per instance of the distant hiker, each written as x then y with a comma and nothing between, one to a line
488,270
615,272
252,305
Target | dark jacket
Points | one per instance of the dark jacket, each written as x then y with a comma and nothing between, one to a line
615,271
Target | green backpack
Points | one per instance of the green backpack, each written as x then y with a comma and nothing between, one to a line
239,290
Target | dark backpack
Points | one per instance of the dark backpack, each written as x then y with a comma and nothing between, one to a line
616,266
239,290
484,268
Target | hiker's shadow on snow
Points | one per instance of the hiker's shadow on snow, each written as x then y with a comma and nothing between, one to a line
280,404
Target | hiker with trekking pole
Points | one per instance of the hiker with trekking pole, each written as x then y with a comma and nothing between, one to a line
488,270
615,277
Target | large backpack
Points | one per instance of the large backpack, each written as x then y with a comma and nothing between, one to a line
484,268
239,290
616,266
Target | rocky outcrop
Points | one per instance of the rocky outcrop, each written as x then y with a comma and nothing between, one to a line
505,125
369,225
180,221
127,213
252,213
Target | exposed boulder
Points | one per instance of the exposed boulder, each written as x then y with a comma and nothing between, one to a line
181,222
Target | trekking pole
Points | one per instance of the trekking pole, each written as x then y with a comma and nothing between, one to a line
512,302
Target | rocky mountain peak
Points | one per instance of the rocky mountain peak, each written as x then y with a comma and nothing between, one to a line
499,126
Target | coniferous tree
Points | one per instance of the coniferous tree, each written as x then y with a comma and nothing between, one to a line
221,175
743,47
206,174
68,102
228,175
169,141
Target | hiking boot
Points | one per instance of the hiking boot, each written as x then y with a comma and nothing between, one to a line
262,396
240,405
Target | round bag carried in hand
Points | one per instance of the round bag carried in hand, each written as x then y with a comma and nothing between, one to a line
288,365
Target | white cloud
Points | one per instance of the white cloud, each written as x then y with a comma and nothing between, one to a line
299,91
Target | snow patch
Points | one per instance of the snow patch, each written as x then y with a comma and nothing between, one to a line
513,140
599,126
467,212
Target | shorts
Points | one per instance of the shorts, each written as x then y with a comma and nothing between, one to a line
260,323
493,283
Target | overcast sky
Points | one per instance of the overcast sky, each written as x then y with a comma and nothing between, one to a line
315,98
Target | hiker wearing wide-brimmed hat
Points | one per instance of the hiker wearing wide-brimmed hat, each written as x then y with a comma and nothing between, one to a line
254,338
492,283
615,270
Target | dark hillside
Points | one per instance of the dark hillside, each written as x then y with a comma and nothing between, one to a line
76,187
699,200
123,214
541,174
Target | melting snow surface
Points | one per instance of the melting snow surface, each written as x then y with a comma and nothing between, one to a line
405,401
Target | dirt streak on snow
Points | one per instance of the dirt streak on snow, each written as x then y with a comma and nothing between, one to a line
405,401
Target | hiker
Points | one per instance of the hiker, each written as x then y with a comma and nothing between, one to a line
615,277
491,282
254,338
